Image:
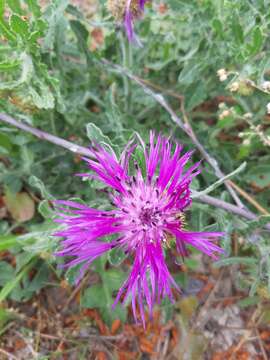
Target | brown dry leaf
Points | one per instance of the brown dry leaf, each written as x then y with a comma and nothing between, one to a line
126,355
146,346
97,39
115,326
21,206
227,355
101,355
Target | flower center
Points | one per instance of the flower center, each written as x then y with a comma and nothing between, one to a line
146,216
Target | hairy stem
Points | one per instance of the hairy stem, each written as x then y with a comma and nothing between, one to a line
46,136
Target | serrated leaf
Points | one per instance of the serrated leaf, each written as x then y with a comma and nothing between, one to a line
37,183
82,36
45,209
27,71
95,134
43,97
19,26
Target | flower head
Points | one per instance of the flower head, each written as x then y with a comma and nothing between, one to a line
148,214
126,12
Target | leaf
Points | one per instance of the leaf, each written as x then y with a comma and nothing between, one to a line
259,174
2,7
45,209
217,26
93,297
37,183
101,295
9,65
55,16
42,97
27,71
19,26
235,260
95,134
116,256
15,281
253,300
20,205
257,41
113,278
82,36
15,6
237,31
188,306
5,30
34,7
8,241
7,272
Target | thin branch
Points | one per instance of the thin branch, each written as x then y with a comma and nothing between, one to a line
9,355
230,208
184,126
249,198
46,136
233,209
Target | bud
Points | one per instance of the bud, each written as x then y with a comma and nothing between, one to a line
247,116
221,105
234,87
245,87
224,114
246,142
222,74
126,12
268,108
266,85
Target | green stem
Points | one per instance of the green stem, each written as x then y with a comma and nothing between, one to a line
126,64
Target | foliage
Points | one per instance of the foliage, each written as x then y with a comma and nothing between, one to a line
52,76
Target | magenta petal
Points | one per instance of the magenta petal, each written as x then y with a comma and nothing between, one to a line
145,209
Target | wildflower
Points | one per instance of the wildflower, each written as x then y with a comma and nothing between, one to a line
222,74
147,217
247,141
266,85
126,11
224,114
247,116
234,87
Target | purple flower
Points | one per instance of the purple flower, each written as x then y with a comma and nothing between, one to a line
134,9
147,217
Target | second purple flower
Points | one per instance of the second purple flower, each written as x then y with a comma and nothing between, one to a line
126,12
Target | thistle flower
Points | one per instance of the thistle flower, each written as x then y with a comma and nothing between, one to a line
147,216
126,12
